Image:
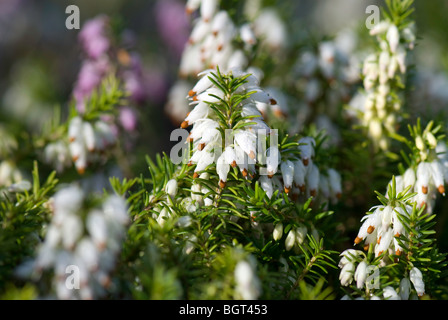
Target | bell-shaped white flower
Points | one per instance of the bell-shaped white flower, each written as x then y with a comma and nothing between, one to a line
171,188
405,288
393,37
287,168
273,159
361,274
390,293
222,168
416,278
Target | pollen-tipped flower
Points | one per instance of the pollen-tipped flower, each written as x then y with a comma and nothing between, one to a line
208,121
211,42
87,141
381,228
428,176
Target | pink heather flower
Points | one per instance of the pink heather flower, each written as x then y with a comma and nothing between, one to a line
89,78
173,24
93,38
128,119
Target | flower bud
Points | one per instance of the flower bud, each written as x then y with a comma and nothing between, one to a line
419,143
278,231
171,188
290,240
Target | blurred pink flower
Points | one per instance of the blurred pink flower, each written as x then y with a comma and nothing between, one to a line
128,119
93,37
173,24
89,78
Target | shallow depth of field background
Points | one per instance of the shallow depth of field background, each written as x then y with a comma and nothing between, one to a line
40,58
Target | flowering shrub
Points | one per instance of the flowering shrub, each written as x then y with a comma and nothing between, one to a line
302,167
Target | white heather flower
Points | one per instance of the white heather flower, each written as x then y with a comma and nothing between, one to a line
389,293
348,256
91,244
247,282
266,185
196,194
89,136
270,28
75,128
278,231
287,169
386,216
237,59
247,34
164,215
192,5
171,188
416,278
405,288
247,141
177,106
334,180
200,112
424,172
346,275
273,159
58,155
97,227
371,223
299,175
222,168
409,178
301,233
380,28
437,174
71,230
208,9
88,253
393,37
206,158
290,240
200,30
312,179
361,274
324,187
385,239
306,148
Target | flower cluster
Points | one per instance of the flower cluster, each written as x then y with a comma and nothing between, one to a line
300,177
88,141
429,174
354,266
242,137
383,74
103,59
382,228
210,43
86,239
328,65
